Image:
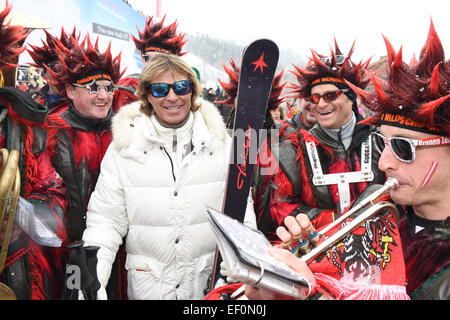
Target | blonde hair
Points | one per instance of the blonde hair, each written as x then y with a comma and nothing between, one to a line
159,64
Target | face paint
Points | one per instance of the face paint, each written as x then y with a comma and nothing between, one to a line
429,175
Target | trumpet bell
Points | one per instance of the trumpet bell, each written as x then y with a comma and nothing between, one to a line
9,183
6,293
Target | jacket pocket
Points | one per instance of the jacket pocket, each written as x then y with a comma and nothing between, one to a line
143,285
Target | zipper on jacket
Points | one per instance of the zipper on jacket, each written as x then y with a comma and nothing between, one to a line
171,163
341,143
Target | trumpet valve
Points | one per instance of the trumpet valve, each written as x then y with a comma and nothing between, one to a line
313,238
286,245
303,246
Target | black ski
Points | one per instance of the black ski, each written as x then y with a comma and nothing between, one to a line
259,63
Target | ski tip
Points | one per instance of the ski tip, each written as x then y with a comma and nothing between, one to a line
264,41
263,44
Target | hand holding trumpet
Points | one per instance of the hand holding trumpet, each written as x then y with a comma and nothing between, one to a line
301,239
300,231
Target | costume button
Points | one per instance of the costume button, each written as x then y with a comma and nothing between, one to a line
175,193
177,241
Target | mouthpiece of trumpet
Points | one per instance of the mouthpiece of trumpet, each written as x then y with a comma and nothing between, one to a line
392,183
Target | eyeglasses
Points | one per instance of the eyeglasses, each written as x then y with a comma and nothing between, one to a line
327,97
95,87
338,58
161,90
404,149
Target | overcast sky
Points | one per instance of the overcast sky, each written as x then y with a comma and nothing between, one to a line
301,25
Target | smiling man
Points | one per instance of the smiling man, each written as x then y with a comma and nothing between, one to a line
79,133
156,37
168,161
337,166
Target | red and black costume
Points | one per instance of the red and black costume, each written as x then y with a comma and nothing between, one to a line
154,38
322,174
26,271
418,93
22,129
69,168
318,154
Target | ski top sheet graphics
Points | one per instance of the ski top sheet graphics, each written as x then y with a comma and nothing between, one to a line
259,63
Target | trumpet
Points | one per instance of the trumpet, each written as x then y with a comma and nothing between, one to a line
9,194
371,210
368,210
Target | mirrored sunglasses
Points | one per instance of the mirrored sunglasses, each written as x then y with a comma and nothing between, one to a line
404,149
95,87
338,58
161,90
327,97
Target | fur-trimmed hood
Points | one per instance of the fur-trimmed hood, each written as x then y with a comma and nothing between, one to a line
125,121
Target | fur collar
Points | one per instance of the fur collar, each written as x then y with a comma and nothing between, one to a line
124,122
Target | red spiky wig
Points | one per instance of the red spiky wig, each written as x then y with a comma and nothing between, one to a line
231,88
84,63
11,39
156,37
322,70
47,54
415,96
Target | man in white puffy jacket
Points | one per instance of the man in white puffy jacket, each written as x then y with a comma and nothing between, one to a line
167,163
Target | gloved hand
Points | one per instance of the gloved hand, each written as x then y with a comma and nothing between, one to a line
101,294
224,273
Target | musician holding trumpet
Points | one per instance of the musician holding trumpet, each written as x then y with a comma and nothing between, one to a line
413,111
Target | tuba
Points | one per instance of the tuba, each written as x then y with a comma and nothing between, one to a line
9,197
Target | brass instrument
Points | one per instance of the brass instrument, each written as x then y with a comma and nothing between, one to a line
366,204
369,210
9,182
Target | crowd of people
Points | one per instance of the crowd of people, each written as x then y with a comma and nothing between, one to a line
126,165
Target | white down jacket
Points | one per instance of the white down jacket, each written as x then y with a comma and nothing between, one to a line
170,245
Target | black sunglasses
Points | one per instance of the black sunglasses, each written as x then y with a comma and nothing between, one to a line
161,90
